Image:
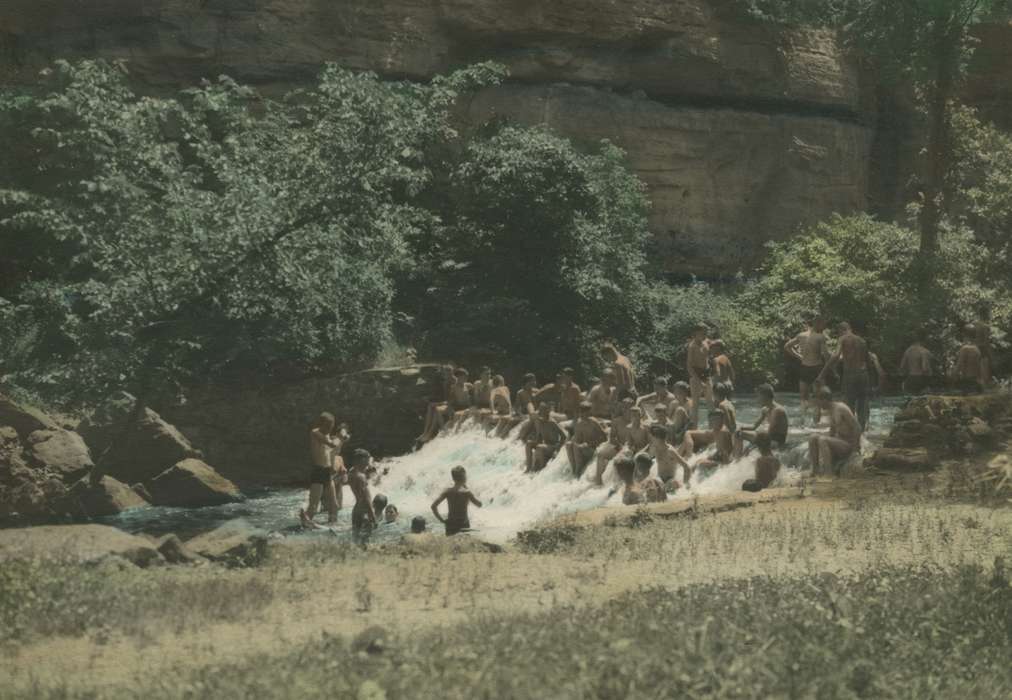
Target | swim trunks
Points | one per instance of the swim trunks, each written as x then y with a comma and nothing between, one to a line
359,517
702,372
778,438
752,485
320,475
456,525
809,373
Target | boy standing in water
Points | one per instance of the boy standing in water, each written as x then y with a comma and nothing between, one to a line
323,446
457,498
811,349
362,515
723,370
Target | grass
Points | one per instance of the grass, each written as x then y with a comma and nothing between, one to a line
910,632
40,599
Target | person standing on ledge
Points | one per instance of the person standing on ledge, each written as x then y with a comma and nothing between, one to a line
457,498
916,366
697,362
853,353
625,377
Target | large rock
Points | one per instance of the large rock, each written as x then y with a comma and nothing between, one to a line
107,497
915,459
133,450
192,483
60,451
76,543
234,544
24,419
175,552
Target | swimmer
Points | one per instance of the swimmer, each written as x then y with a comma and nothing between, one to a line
588,435
390,514
660,396
766,467
546,439
679,412
524,405
417,525
722,395
651,487
362,515
459,399
844,437
618,439
457,498
697,362
632,494
323,446
602,396
811,348
717,437
773,415
668,459
625,377
482,390
723,370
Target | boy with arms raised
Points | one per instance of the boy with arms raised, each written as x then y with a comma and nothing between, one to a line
625,377
457,498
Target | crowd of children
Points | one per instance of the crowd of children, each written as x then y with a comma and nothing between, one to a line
649,439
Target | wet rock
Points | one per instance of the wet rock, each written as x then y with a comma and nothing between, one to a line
60,451
175,552
106,497
903,459
77,543
133,451
192,483
232,544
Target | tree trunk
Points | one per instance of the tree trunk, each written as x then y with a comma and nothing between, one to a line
939,147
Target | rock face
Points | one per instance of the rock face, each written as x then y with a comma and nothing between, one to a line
107,497
140,452
260,435
932,429
741,131
192,483
77,543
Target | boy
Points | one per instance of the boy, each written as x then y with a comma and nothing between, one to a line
362,515
680,412
587,436
718,436
916,366
722,395
852,353
967,371
651,487
458,394
602,396
773,415
417,525
811,348
524,405
483,389
545,439
766,467
844,438
625,377
323,446
457,498
697,362
632,495
667,457
723,370
661,396
570,396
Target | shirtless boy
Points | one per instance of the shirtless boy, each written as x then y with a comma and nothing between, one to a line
651,487
545,440
362,515
773,415
587,436
482,391
967,371
502,407
723,370
324,449
632,495
660,396
717,436
697,362
812,350
916,367
766,467
524,405
459,398
853,354
626,436
570,396
625,377
457,498
680,412
667,457
722,396
602,396
843,439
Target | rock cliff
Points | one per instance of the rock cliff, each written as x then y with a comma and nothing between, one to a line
741,131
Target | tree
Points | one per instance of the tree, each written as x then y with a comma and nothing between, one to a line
218,231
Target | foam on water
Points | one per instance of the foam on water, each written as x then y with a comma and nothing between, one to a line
512,499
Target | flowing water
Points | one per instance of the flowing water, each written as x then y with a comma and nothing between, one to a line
512,499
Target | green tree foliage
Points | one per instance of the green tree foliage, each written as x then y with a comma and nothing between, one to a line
215,231
540,256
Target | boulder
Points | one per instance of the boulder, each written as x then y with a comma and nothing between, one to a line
192,483
903,459
175,552
133,451
60,451
107,497
24,419
76,543
233,544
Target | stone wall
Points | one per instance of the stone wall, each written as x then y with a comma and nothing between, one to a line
260,435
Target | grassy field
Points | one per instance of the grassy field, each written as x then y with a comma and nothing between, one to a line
873,590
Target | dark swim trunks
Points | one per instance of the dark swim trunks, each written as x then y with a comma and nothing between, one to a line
320,475
809,373
359,517
779,438
753,485
916,383
456,525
